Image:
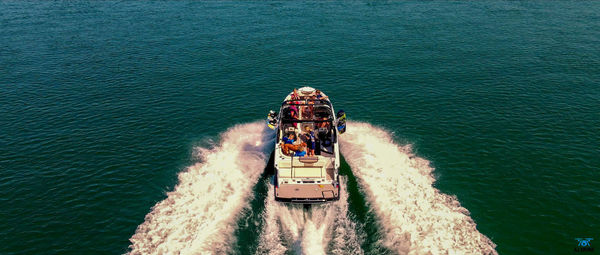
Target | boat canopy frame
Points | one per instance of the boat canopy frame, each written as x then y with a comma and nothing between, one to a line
288,121
294,103
316,102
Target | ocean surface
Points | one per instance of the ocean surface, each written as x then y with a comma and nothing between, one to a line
138,127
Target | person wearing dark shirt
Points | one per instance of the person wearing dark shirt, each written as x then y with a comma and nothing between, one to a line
320,96
309,139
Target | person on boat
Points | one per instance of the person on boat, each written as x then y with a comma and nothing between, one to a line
294,115
309,139
320,96
307,112
294,112
324,132
295,94
288,144
323,123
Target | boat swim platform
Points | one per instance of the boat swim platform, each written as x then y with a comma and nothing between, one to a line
307,193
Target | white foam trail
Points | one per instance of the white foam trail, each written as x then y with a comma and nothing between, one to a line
416,218
321,229
198,216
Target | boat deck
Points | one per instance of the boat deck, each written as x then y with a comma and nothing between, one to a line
299,168
311,191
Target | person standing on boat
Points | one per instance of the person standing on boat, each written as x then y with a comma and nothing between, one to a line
309,139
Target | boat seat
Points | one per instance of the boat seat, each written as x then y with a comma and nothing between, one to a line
310,160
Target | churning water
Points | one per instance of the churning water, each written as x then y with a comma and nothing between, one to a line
131,127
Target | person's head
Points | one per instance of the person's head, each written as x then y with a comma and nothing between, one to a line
317,92
307,128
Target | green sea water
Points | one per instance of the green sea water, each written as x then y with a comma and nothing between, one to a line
105,107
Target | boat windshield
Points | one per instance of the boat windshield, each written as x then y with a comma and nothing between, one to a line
302,111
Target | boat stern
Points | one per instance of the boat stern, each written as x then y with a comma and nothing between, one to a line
307,193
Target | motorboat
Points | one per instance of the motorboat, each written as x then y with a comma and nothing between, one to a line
307,154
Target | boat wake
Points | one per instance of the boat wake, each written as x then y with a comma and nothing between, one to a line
199,215
319,229
414,216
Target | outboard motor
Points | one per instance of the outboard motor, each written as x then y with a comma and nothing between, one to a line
272,119
341,121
